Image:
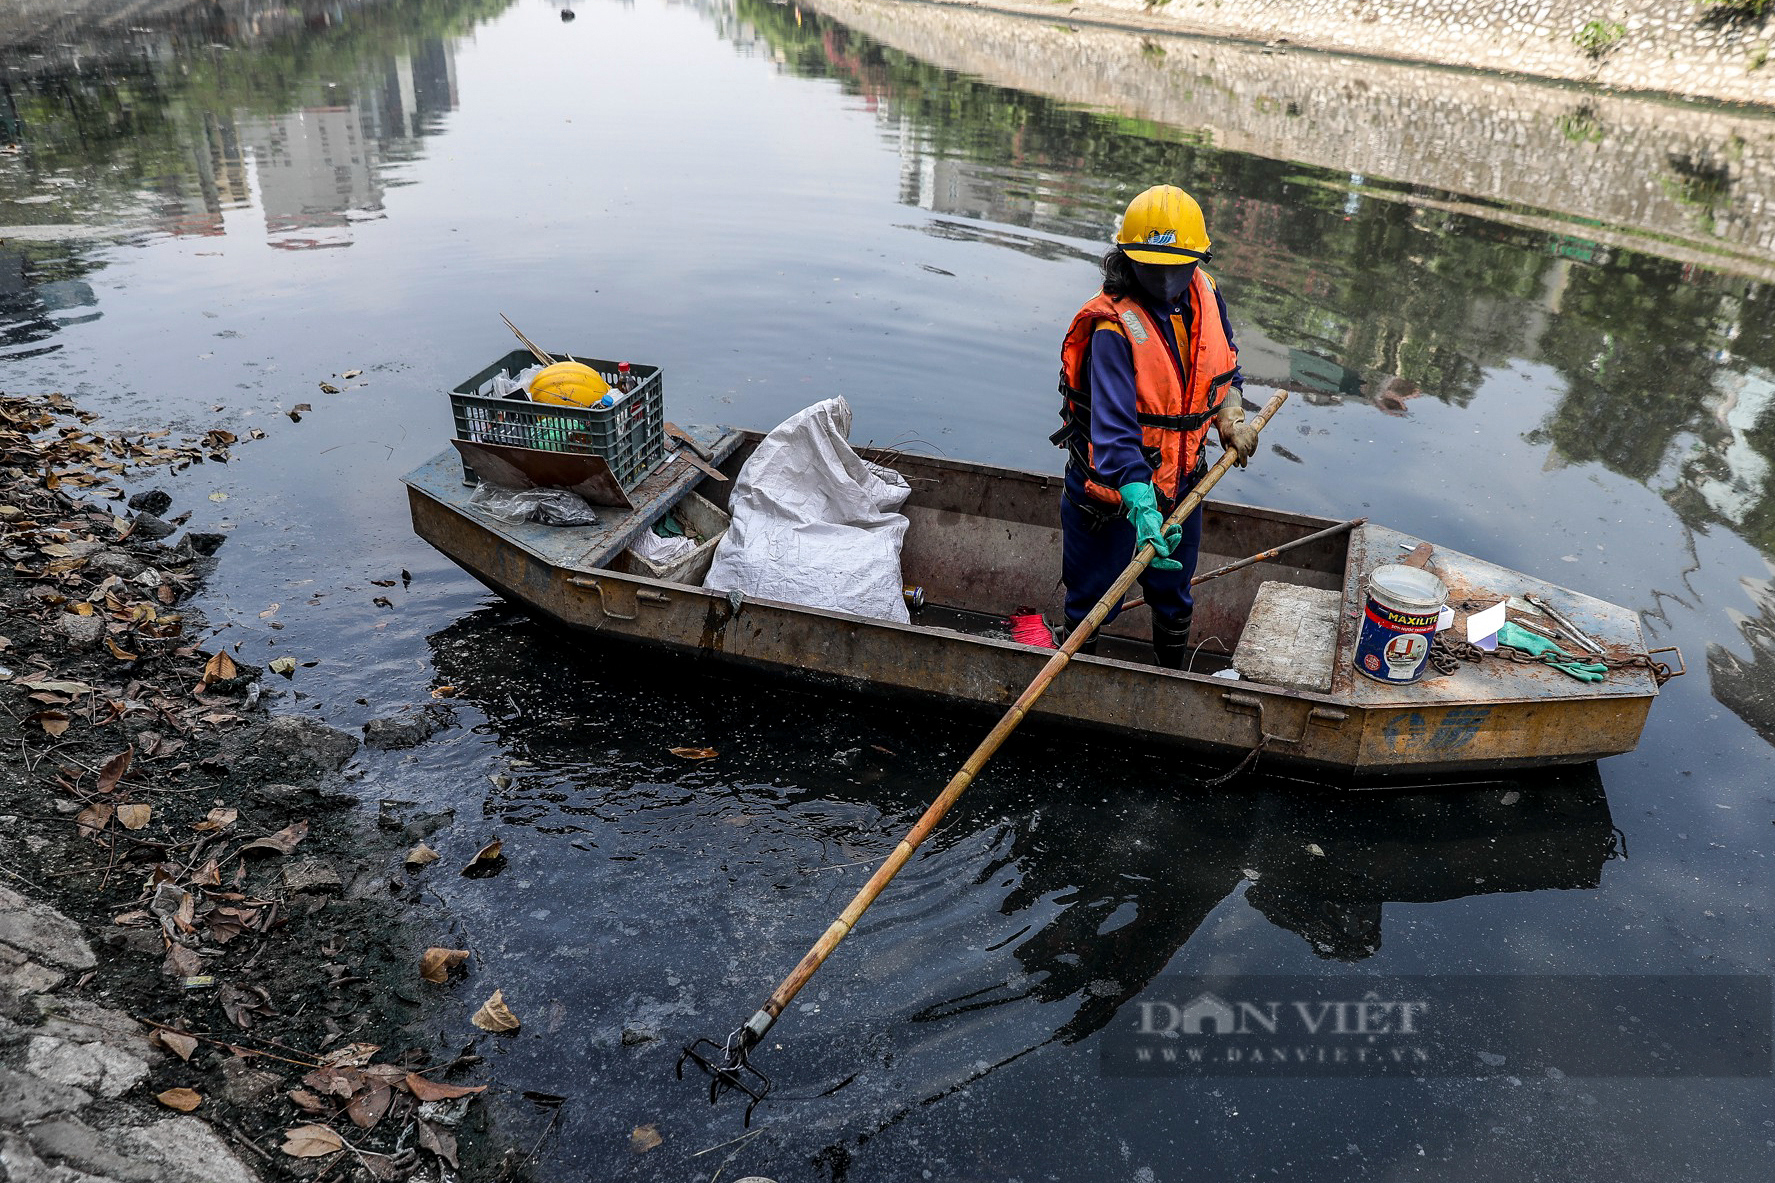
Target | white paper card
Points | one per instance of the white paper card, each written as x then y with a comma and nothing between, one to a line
1481,625
1446,620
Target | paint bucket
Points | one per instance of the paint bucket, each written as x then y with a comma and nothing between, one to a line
1399,623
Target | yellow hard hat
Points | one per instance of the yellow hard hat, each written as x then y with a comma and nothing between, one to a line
1164,225
568,384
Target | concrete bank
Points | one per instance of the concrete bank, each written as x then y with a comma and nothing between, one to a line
1683,48
65,1061
1679,180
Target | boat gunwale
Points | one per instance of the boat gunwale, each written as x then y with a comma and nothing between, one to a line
812,613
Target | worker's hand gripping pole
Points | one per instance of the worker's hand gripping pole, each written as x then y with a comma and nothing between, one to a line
728,1065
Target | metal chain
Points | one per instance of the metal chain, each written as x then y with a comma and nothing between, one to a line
1447,654
1661,673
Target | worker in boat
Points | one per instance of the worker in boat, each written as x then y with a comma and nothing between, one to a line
1147,365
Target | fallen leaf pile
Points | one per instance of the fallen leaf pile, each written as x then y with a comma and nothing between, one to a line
120,699
88,579
349,1085
187,900
93,610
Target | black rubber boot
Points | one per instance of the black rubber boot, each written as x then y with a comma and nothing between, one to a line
1171,641
1089,648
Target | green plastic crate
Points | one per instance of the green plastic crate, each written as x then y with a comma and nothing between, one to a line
630,435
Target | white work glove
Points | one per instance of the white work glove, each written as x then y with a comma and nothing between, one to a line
1236,435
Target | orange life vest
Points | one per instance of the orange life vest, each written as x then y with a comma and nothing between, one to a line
1173,406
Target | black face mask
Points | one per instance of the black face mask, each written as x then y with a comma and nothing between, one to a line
1165,282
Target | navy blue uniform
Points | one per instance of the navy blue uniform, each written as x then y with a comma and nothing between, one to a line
1097,541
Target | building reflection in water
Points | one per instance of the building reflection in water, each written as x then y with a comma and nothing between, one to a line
234,107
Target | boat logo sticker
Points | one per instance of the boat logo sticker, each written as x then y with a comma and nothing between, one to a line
1136,330
1161,238
1410,731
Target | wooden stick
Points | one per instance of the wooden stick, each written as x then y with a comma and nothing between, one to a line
542,357
766,1015
697,462
1241,564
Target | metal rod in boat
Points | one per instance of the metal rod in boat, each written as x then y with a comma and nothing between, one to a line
1271,553
727,1064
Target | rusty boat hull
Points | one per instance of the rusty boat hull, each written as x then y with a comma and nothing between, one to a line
985,541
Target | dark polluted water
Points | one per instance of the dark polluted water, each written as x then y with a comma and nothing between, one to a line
207,217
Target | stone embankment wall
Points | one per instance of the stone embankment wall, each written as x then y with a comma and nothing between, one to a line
1698,179
1678,47
39,22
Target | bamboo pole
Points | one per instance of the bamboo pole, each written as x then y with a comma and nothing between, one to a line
761,1021
540,356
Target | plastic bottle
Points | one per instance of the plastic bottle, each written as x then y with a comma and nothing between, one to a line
625,378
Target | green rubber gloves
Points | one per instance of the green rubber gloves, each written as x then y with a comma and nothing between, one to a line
1553,655
1141,506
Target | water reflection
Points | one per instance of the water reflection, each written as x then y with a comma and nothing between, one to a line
301,113
1346,287
1747,685
1073,878
1133,894
39,293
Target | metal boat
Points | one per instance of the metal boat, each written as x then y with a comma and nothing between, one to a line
984,542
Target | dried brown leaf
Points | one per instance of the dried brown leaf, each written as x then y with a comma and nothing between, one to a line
431,1090
181,962
307,1101
184,1100
219,668
52,722
695,753
436,963
282,842
439,1141
495,1015
367,1107
311,1141
644,1138
113,770
486,860
93,819
217,819
420,856
134,817
176,1042
352,1055
120,653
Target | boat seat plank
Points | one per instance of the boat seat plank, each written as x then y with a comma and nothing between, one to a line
584,548
1290,639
